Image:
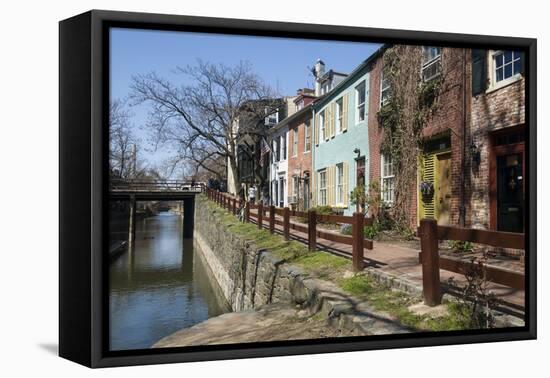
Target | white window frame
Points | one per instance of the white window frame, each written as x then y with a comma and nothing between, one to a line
307,136
340,184
295,142
267,118
339,115
493,83
276,151
428,63
387,193
322,124
284,151
383,89
322,199
358,105
282,186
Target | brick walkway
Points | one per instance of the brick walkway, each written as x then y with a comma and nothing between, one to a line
399,261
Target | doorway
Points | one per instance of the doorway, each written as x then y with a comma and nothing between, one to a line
443,189
507,182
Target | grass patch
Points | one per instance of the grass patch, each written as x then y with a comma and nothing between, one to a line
325,265
396,304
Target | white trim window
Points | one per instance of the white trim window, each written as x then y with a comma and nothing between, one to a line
339,114
387,178
322,126
506,65
307,132
283,147
340,184
295,143
276,152
271,119
360,102
431,62
385,92
323,187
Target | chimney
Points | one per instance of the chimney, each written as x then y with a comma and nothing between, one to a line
319,72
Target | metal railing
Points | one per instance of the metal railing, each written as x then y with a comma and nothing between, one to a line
136,185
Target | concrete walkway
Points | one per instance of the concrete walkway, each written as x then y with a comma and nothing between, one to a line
275,322
398,262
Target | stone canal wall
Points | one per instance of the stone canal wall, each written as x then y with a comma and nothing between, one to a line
250,277
247,276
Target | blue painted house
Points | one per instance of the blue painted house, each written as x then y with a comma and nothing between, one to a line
341,141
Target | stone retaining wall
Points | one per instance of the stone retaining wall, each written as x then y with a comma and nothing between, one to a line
250,277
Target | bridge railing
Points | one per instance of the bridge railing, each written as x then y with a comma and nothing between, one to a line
136,185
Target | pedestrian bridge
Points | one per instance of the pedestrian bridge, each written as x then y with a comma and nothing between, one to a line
157,190
154,190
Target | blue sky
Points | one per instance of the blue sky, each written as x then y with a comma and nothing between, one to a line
281,62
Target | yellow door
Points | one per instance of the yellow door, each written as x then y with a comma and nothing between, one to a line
443,189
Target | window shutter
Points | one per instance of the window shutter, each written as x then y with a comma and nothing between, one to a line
327,122
316,129
345,186
345,100
314,188
429,176
332,171
479,71
332,119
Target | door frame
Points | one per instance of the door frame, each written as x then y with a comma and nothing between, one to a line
494,153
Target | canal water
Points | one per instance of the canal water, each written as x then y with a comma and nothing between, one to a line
160,287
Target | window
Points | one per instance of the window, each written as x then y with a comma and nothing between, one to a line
307,131
274,191
322,126
384,89
339,114
295,142
276,151
360,96
295,185
283,146
507,64
300,105
325,88
388,179
340,183
431,62
323,187
271,119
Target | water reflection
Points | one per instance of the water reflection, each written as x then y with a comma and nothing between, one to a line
159,287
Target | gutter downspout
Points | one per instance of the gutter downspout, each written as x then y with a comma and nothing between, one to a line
462,216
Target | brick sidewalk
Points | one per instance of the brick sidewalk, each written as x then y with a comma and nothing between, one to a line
394,261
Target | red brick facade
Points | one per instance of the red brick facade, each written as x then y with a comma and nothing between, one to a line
299,164
448,121
493,111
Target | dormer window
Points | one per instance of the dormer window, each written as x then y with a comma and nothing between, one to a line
431,62
271,119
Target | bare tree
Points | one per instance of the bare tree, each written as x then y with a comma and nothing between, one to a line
122,154
202,120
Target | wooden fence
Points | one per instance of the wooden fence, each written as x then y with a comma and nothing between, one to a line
430,234
265,218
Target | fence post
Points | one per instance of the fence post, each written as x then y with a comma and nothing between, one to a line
312,230
234,206
272,219
246,212
431,284
260,214
286,223
357,241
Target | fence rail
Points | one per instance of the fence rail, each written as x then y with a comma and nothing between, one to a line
430,234
265,217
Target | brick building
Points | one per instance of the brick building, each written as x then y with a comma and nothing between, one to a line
442,162
473,152
300,138
497,131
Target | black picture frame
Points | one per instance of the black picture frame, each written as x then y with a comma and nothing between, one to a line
83,100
